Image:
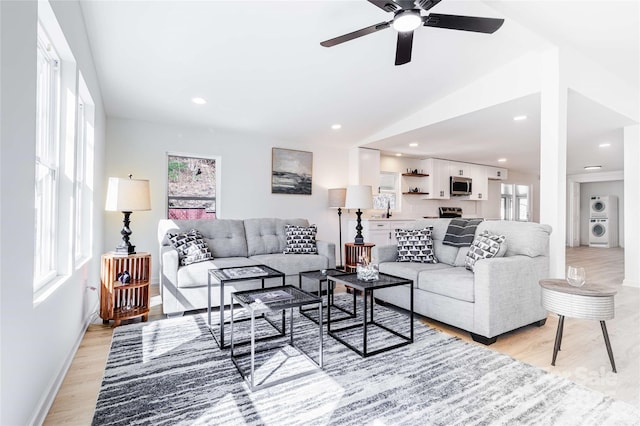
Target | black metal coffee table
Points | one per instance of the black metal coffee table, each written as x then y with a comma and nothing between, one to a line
234,275
367,288
320,277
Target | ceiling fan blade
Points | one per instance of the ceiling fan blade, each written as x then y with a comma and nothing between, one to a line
464,23
356,34
404,47
427,4
386,5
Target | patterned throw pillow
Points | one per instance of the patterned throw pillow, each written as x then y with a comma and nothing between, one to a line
415,245
484,246
301,239
191,247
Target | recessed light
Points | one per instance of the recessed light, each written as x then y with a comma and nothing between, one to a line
413,144
198,101
502,160
592,167
604,145
398,155
336,126
519,117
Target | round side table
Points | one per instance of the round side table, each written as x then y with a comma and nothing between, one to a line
591,301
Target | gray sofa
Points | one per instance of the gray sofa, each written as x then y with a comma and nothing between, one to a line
232,243
502,294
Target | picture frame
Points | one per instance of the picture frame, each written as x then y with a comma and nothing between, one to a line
291,171
193,186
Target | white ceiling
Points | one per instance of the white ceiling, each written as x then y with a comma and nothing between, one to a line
262,70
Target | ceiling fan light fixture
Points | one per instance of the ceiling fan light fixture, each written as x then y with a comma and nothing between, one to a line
407,20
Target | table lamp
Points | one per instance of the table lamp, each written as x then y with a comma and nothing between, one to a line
127,195
359,197
337,201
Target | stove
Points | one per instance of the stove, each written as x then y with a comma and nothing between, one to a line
450,211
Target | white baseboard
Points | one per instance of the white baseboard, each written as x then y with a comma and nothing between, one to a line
630,283
46,402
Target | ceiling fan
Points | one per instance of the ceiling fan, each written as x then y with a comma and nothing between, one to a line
407,17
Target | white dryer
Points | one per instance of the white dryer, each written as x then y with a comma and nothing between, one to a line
603,233
603,206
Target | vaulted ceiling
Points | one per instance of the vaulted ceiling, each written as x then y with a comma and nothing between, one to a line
262,70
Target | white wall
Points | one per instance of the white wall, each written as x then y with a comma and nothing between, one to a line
38,341
587,190
140,148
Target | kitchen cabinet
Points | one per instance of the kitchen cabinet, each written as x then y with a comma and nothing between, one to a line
498,173
364,167
479,183
437,184
380,232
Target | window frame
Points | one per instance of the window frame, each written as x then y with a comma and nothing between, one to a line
47,161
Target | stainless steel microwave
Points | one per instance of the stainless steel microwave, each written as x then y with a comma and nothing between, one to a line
460,185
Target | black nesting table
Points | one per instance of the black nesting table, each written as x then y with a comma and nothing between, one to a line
367,289
320,277
233,276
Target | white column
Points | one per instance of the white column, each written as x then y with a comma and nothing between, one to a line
553,157
631,206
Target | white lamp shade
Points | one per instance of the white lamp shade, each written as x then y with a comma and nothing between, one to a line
128,195
337,197
359,197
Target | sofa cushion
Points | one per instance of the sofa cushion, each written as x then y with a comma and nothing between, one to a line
197,274
409,270
461,232
415,245
301,239
225,237
191,247
292,264
267,235
522,238
451,282
485,246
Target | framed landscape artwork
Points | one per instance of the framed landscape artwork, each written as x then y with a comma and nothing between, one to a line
192,186
291,171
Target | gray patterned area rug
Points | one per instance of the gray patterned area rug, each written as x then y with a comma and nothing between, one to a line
170,372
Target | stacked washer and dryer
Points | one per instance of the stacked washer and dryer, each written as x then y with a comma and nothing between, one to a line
603,221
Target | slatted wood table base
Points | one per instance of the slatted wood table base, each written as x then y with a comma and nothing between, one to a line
121,301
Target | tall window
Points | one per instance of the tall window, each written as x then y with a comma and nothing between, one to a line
83,190
388,189
514,202
47,149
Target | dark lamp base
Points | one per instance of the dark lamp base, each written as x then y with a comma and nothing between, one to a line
359,241
125,250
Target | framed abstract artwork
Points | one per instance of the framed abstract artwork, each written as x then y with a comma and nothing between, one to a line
291,171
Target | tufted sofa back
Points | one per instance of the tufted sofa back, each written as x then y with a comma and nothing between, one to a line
267,236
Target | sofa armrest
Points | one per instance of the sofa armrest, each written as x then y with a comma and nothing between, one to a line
169,263
388,253
327,250
507,293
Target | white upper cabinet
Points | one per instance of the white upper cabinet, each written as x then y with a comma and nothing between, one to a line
438,180
479,183
498,173
364,167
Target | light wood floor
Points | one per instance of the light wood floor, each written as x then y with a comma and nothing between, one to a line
583,358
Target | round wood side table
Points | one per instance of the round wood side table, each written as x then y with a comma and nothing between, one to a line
591,301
